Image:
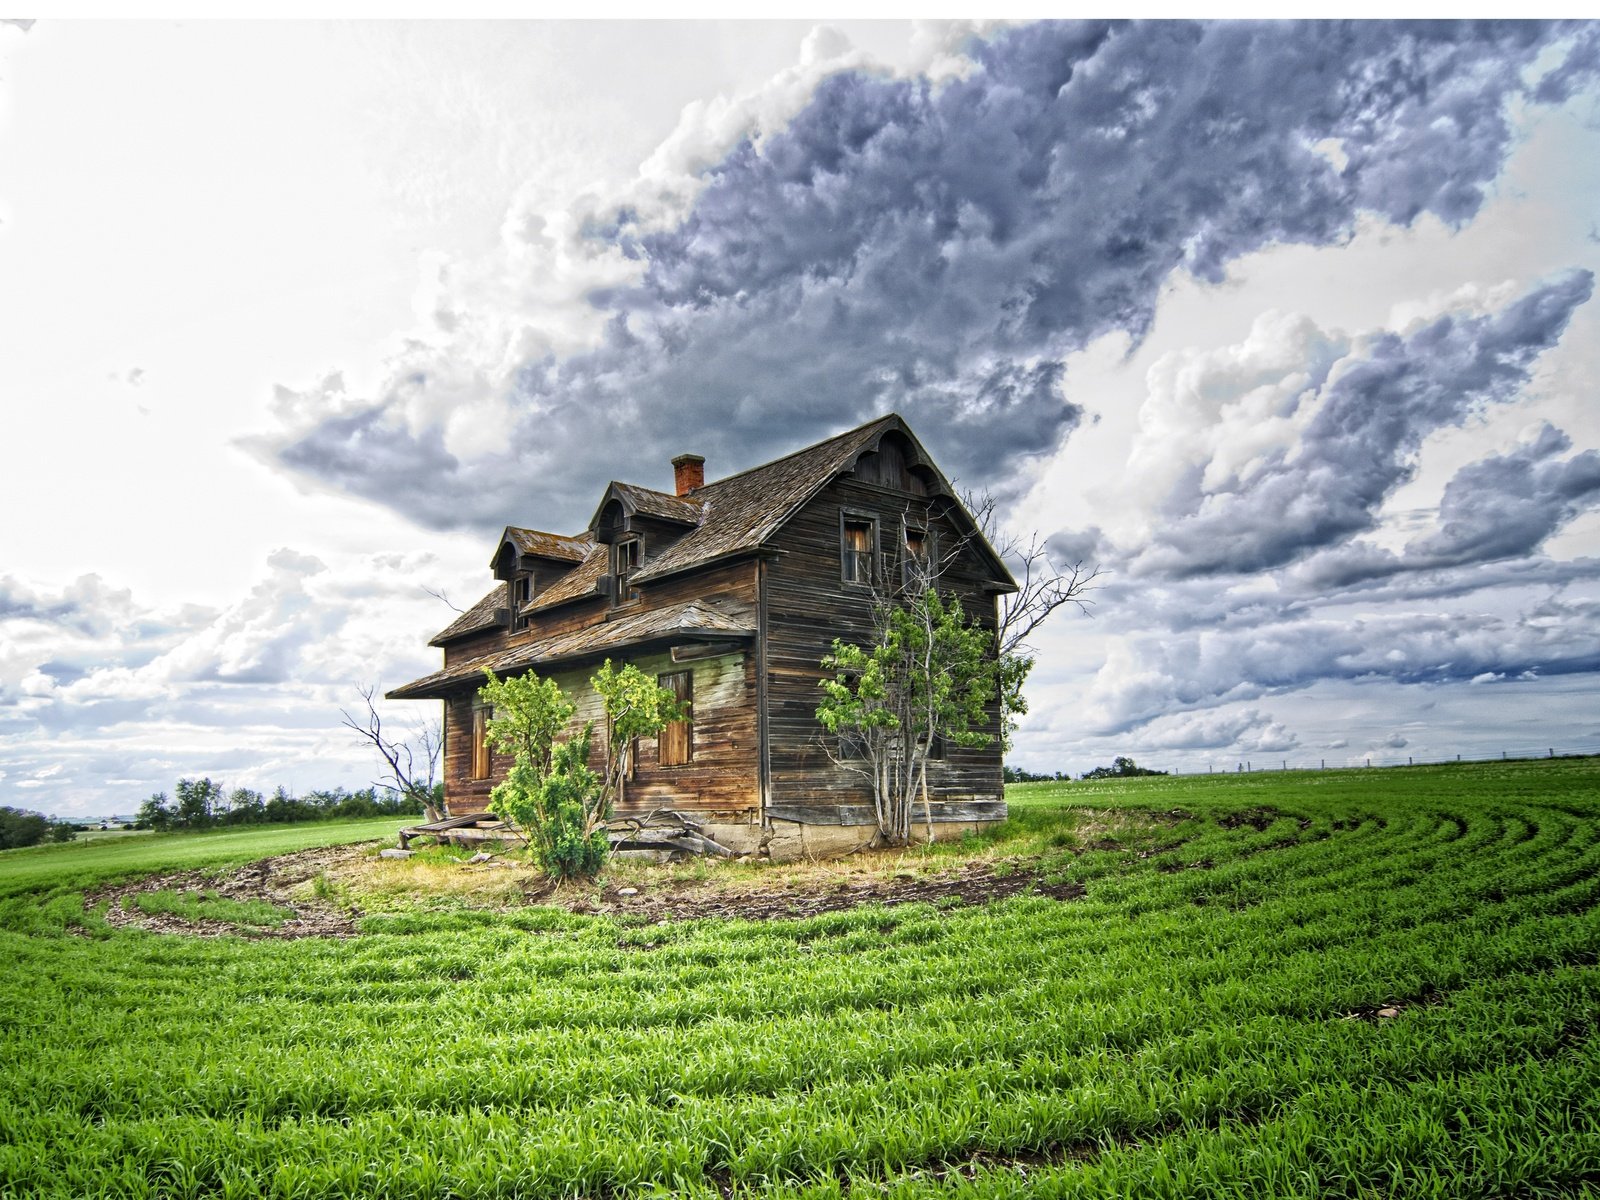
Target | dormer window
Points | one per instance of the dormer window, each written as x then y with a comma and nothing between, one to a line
626,555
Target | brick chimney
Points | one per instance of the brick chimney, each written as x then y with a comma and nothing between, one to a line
689,473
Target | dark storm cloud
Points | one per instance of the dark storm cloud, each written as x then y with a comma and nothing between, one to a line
1362,443
1502,507
939,250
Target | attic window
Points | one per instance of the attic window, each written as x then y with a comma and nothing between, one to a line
522,591
858,547
625,558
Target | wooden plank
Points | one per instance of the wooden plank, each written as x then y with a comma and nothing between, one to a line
944,811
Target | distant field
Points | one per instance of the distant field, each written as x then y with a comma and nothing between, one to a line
1344,983
85,864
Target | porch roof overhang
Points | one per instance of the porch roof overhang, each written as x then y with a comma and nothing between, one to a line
696,621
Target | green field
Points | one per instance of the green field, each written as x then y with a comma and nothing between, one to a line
1342,983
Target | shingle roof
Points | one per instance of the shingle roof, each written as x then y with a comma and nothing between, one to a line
730,516
476,619
539,544
693,620
686,510
741,511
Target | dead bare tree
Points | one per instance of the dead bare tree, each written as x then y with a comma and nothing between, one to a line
1042,587
413,761
439,594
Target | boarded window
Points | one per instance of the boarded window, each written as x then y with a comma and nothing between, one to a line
480,742
858,546
677,737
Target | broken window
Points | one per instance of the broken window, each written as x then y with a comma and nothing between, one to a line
676,744
858,548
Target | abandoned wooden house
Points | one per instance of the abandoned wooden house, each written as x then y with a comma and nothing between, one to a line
731,592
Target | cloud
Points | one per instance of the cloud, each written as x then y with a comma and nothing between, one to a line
96,687
1247,730
870,243
1260,455
1153,675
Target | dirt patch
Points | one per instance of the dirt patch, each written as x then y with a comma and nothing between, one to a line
1257,818
273,880
280,881
974,884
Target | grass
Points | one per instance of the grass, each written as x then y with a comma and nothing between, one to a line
209,906
1343,983
42,887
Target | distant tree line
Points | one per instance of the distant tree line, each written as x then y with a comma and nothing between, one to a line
19,827
202,804
1017,775
1120,768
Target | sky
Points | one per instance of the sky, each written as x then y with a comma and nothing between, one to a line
1288,328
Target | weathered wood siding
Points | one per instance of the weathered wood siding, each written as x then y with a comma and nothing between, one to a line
807,606
722,777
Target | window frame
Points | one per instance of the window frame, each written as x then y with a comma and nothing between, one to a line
620,597
848,557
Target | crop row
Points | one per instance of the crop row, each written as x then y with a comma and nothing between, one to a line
1309,991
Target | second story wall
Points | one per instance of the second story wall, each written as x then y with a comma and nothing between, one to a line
810,602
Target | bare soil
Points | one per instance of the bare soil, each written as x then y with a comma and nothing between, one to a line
973,883
281,881
271,879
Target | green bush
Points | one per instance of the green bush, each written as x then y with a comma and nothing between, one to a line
563,813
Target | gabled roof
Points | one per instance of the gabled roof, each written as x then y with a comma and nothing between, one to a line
730,516
685,510
538,544
696,620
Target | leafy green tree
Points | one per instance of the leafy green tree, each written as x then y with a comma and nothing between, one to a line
529,714
246,807
926,674
19,827
636,706
197,803
156,812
